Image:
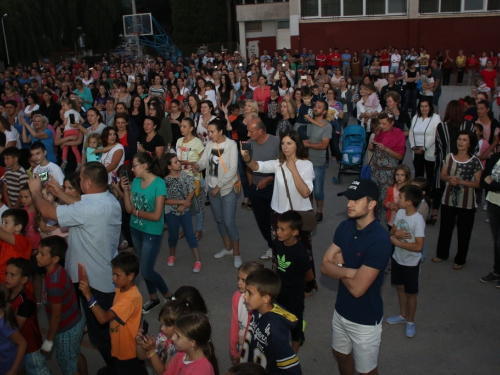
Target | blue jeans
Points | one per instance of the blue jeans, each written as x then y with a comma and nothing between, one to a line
436,96
224,211
174,222
147,247
319,182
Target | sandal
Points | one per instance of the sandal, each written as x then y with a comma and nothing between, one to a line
433,219
181,235
436,260
458,267
199,235
244,205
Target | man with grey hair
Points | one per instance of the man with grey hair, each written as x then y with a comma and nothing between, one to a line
264,147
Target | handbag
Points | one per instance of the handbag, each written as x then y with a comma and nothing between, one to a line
237,184
309,222
366,170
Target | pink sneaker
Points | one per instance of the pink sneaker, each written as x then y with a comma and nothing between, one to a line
171,261
197,267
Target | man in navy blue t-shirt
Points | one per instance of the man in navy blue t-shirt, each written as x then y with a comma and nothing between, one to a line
359,253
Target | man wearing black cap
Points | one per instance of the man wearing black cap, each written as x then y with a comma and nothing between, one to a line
360,251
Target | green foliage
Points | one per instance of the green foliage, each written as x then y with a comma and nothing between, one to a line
197,22
39,28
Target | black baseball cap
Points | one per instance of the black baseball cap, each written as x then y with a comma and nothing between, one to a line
360,188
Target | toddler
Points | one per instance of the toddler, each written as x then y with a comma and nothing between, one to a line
372,103
94,142
67,106
481,87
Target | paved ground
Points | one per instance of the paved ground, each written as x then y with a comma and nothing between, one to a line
457,316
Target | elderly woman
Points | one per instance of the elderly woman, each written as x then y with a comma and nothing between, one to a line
422,139
294,170
220,159
39,133
388,149
462,174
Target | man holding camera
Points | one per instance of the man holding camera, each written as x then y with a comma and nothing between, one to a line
263,147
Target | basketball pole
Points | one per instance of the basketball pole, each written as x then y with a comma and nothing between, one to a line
134,11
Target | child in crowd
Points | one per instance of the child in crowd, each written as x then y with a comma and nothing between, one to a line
234,110
294,270
59,297
67,106
39,156
193,296
407,235
13,244
124,317
15,177
240,316
481,87
315,94
48,227
33,234
195,351
12,342
266,341
402,177
180,198
210,93
148,347
24,304
424,206
94,142
372,102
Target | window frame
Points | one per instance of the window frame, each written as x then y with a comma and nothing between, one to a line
341,15
461,10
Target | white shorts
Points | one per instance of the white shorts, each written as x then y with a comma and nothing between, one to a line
363,341
384,69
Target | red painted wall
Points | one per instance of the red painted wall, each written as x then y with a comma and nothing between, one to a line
268,42
470,34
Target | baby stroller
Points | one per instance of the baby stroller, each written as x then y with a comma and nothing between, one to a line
353,150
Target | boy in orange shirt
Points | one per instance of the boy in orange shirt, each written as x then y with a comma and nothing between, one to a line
124,317
13,244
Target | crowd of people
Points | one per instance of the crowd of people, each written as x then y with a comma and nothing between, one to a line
97,162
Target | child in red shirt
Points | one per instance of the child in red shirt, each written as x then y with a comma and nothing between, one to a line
13,244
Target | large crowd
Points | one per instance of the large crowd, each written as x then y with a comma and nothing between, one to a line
98,162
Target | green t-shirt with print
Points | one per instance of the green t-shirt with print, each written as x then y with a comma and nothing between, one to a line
145,200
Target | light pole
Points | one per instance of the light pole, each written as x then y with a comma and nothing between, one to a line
5,38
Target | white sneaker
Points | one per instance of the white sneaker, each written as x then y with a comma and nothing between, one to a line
267,255
237,261
222,253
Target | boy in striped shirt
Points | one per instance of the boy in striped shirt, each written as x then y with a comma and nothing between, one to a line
15,177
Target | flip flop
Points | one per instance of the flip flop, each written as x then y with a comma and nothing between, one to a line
436,260
458,267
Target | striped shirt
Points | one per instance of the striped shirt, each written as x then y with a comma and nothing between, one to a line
15,180
58,289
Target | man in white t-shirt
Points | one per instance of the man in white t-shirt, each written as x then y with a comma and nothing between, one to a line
39,156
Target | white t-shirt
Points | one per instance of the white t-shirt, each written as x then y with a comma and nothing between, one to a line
280,202
419,131
107,157
414,224
3,209
53,169
66,116
12,135
395,59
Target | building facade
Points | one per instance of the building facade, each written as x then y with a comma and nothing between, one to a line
471,25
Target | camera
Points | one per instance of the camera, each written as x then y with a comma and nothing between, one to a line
246,146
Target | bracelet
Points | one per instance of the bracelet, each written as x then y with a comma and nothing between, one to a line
93,304
137,213
91,301
151,355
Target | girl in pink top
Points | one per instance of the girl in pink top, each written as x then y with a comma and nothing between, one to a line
240,315
195,352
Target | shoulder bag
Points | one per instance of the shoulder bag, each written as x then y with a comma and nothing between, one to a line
309,222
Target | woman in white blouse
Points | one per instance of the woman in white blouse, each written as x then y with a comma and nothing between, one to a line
299,173
422,139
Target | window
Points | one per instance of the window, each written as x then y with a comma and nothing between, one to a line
253,26
354,8
283,24
456,6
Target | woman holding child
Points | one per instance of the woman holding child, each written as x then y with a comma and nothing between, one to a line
294,172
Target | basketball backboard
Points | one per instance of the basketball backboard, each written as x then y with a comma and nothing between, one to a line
137,24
